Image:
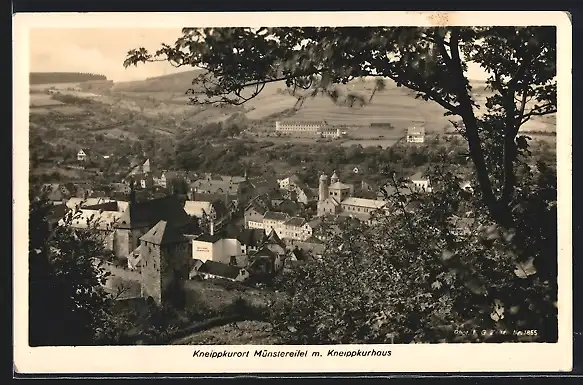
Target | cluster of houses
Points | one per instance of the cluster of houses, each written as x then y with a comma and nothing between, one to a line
222,229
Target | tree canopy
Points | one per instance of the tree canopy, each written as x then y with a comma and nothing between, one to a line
239,62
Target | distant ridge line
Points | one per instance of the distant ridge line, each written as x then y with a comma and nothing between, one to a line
63,77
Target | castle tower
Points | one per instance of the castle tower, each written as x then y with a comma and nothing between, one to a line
334,178
323,188
165,255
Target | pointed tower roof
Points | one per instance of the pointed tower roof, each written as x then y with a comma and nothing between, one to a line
334,177
163,234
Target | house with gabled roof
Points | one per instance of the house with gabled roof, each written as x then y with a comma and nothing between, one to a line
83,154
251,239
304,194
420,182
288,183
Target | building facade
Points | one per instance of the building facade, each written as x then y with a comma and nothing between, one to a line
336,198
306,128
416,135
164,254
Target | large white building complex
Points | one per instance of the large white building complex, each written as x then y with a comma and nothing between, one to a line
306,128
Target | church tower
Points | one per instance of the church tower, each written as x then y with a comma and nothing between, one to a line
323,188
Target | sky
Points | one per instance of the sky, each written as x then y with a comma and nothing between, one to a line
103,50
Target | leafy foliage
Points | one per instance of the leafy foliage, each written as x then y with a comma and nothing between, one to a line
68,305
445,274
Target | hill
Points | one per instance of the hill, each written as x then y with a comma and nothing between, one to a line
397,106
174,83
62,77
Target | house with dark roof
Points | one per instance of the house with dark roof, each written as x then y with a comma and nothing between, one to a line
211,269
265,262
58,192
296,257
251,239
304,194
263,184
221,184
218,247
140,217
254,213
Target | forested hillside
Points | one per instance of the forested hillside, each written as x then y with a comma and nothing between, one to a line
63,77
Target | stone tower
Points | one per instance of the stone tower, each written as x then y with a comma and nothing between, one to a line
165,256
323,188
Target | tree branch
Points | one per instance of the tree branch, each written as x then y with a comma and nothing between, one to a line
550,108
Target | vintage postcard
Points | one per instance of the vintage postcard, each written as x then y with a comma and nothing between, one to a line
310,192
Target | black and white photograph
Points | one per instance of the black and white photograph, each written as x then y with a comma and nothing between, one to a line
304,188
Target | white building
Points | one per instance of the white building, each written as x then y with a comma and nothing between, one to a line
83,155
215,248
288,183
306,128
284,226
416,135
420,182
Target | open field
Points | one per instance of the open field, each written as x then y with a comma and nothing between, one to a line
43,100
56,86
384,143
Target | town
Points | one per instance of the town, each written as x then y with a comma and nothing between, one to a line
226,227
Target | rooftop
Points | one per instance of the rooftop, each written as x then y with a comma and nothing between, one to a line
220,269
251,237
416,131
419,176
276,216
296,221
102,220
208,238
302,122
340,186
197,208
163,233
150,212
361,202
